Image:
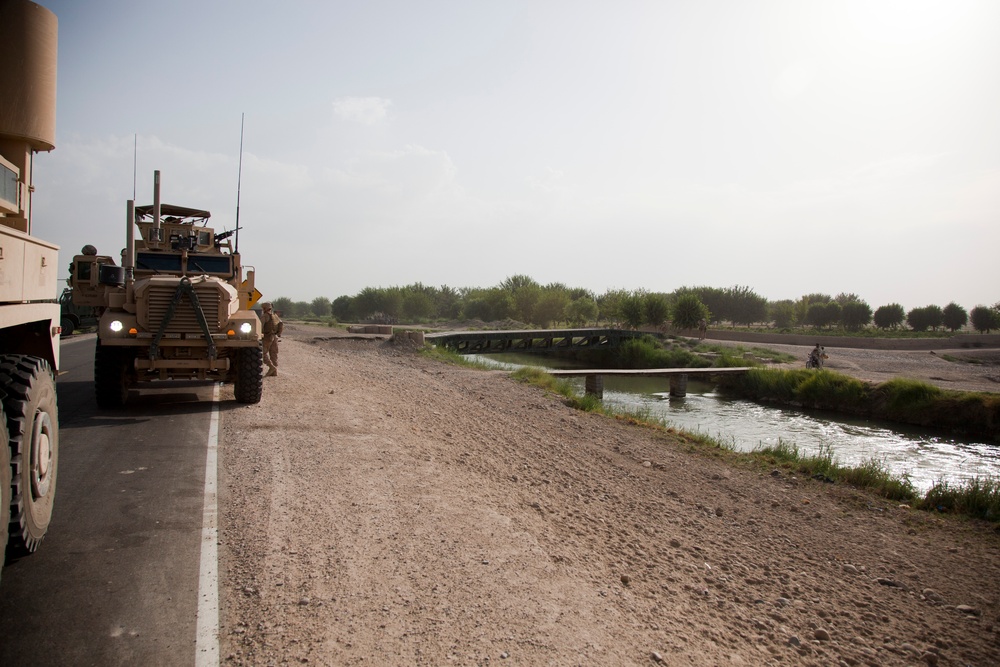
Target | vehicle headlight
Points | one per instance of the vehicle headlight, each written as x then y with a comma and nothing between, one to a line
116,325
246,327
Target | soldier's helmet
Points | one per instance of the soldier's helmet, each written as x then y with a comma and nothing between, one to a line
89,250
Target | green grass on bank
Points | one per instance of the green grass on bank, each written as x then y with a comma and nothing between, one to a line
447,356
898,400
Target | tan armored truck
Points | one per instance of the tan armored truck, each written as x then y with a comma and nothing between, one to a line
178,308
29,314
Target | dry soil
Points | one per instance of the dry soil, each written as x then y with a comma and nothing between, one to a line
379,508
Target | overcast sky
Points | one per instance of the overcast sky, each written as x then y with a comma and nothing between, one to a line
794,147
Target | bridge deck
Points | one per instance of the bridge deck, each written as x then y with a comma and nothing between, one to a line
594,382
529,340
648,372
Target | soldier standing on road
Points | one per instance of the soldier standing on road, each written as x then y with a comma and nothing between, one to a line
272,328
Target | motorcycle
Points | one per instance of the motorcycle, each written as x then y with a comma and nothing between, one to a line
816,358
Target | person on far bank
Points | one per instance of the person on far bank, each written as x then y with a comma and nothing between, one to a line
272,328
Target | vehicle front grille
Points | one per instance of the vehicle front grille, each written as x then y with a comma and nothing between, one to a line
184,319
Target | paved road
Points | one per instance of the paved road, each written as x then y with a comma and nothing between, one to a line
115,581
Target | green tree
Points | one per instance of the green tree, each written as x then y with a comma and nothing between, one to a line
476,308
656,308
955,317
889,316
367,302
320,306
823,314
928,317
487,304
845,298
633,310
417,305
524,292
984,319
581,311
935,316
284,306
833,312
688,311
447,303
782,313
551,307
807,300
514,283
343,309
716,300
609,305
855,315
745,306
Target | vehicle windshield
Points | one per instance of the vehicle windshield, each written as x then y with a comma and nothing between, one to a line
154,261
196,263
210,264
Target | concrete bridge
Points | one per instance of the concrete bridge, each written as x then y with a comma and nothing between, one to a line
594,378
533,340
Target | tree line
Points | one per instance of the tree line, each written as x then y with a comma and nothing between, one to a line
523,299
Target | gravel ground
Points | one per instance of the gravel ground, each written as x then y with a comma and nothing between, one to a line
381,508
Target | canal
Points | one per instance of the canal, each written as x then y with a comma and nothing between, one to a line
925,456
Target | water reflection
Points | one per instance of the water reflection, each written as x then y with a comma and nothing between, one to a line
926,456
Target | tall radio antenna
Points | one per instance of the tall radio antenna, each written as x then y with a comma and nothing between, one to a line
135,159
239,180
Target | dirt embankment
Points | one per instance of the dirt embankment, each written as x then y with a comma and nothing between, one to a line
380,508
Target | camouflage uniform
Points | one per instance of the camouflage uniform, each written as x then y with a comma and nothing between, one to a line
272,328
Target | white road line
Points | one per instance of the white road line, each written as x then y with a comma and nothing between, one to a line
207,641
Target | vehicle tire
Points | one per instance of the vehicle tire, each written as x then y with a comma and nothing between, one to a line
249,383
68,326
32,425
111,376
5,485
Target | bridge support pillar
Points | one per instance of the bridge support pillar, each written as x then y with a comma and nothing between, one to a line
679,385
594,384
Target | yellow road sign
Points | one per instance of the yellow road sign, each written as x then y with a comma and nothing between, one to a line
255,296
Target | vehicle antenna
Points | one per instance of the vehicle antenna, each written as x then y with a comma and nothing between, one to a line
135,158
239,178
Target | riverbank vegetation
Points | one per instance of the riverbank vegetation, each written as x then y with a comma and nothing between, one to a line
522,301
977,498
898,400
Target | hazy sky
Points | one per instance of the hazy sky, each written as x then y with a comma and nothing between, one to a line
791,146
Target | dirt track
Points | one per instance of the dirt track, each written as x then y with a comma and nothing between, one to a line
379,508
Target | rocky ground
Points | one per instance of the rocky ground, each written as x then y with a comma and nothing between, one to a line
381,508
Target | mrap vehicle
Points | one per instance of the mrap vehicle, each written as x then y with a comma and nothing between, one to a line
178,308
29,313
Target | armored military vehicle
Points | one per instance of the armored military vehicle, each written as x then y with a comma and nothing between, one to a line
178,308
29,314
75,317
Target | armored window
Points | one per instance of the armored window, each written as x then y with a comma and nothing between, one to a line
213,264
8,188
153,261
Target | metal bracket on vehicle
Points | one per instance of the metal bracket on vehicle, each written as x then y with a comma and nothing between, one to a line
184,287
